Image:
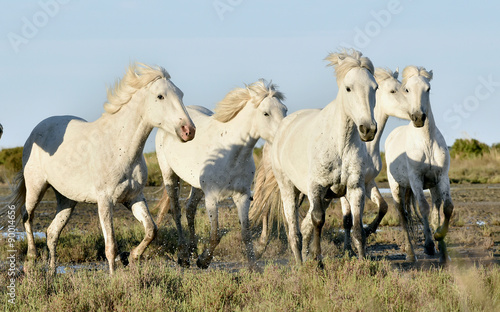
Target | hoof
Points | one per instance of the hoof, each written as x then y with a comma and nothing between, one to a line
259,250
349,252
123,258
202,264
368,231
321,266
411,258
430,249
184,263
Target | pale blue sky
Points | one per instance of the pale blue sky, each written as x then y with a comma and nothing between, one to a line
57,57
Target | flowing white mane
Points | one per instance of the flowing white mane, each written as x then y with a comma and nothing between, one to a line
382,74
411,71
237,98
345,60
138,75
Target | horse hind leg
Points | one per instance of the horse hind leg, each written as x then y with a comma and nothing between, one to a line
399,195
242,202
194,198
306,228
34,194
65,208
376,197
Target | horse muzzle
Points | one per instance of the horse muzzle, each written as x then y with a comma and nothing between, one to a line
418,119
367,132
186,132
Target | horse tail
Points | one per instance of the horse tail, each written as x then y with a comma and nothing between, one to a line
163,206
267,203
16,202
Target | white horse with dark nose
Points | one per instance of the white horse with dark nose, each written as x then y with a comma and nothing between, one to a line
321,153
417,159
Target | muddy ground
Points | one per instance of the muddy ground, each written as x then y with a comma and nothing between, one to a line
474,236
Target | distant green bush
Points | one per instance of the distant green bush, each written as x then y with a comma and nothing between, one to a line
468,148
11,159
154,172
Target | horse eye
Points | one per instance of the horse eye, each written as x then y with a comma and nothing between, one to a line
160,97
348,89
407,90
393,91
266,114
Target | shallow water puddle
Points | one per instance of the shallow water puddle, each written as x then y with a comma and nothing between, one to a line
22,235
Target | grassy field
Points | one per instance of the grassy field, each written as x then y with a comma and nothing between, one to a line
157,283
344,285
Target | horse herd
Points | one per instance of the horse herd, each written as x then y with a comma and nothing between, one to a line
323,154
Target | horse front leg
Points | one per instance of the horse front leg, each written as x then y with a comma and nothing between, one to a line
206,257
292,219
317,211
242,202
140,211
172,187
439,235
355,195
194,198
418,192
347,224
105,208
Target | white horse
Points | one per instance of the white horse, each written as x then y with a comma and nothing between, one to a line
219,161
320,153
390,101
418,159
102,161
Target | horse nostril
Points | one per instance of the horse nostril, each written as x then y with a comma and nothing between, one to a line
363,129
424,116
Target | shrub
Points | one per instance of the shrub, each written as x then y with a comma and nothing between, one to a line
468,148
154,171
10,162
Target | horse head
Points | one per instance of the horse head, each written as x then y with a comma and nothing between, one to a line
357,88
416,87
159,100
165,109
269,110
391,100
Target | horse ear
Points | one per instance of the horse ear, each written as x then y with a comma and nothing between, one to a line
431,75
251,92
395,74
341,58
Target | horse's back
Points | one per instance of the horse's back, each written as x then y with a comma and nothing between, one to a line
49,134
194,109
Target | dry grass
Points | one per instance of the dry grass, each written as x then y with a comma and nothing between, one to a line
481,169
345,285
